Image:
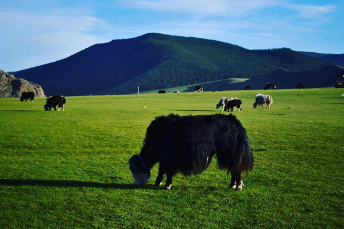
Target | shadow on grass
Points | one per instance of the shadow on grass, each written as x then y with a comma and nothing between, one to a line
21,110
195,110
64,183
71,184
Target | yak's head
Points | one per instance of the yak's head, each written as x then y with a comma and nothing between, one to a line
254,105
46,107
139,170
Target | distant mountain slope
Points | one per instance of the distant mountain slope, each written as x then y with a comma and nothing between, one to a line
156,61
330,58
324,77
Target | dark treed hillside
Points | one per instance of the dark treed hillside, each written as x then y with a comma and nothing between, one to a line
324,77
155,61
330,58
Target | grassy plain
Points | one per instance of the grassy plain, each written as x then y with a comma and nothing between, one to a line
70,169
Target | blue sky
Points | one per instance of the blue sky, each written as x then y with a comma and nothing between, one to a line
36,32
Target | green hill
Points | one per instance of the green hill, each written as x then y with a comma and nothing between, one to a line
155,61
337,59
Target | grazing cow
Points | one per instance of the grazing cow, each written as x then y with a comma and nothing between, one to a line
187,144
198,89
161,91
301,86
231,104
263,99
56,100
223,103
247,87
270,86
27,95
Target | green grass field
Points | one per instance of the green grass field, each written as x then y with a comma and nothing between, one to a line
70,169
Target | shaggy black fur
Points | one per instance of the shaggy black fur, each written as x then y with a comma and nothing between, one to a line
186,144
233,103
52,102
27,95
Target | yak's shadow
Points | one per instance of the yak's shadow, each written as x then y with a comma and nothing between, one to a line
66,183
71,184
196,110
27,111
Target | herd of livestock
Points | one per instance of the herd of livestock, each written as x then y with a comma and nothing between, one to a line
229,103
51,102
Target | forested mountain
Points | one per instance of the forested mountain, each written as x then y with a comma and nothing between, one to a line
324,77
330,58
155,61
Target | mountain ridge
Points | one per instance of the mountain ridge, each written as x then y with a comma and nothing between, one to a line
154,61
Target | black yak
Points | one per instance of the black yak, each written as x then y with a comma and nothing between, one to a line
187,144
198,88
270,86
247,87
56,100
231,104
27,95
301,86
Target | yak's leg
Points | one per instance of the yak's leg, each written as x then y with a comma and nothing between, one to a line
233,183
169,174
239,182
160,175
59,108
236,180
62,107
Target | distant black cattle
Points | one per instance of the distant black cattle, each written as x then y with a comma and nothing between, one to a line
301,86
270,86
198,89
56,100
27,95
161,91
247,87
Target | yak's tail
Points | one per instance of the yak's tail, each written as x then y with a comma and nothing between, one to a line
237,155
244,156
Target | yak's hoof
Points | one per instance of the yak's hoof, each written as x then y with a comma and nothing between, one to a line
158,184
168,187
238,188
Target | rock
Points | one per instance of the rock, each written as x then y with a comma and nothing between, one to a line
12,86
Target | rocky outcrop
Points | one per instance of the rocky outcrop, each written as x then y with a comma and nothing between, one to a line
12,86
